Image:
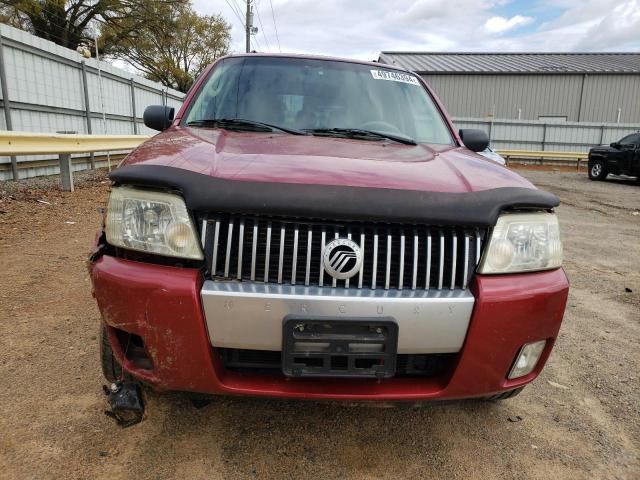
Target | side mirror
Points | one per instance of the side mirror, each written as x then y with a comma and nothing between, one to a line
158,117
474,139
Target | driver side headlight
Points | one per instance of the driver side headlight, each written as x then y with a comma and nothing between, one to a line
523,242
152,222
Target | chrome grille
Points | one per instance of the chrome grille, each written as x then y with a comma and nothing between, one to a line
275,250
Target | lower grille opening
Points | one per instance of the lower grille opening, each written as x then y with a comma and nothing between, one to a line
269,362
134,349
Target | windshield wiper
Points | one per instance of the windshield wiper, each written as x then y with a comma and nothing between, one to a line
359,132
242,124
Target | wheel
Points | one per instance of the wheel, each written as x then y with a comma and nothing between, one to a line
504,395
111,368
597,170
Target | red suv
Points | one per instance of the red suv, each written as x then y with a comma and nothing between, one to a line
316,228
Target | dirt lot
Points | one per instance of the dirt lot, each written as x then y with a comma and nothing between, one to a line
580,419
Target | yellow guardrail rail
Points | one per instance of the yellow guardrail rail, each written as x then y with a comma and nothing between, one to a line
63,145
544,156
27,143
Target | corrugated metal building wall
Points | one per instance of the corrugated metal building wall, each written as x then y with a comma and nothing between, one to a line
581,87
46,93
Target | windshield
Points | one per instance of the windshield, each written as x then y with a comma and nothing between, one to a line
319,96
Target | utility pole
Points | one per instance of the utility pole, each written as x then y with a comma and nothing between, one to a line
104,113
247,25
249,29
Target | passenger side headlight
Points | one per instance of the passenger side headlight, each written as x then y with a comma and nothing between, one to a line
153,222
523,242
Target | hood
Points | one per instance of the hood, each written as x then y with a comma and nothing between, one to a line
284,158
602,149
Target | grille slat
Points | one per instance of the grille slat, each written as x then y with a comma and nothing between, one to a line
307,273
283,231
216,242
267,255
465,271
387,277
240,249
323,242
375,260
294,263
414,272
203,233
227,257
254,250
346,282
393,256
429,254
361,274
334,282
454,251
401,273
441,267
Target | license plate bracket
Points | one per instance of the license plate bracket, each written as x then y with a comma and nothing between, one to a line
347,348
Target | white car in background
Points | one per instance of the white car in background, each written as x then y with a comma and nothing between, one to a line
491,154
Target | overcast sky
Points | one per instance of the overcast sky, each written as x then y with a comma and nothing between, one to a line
363,28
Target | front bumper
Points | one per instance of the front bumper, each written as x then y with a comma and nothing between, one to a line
163,305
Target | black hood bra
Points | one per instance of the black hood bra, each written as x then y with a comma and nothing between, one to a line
204,193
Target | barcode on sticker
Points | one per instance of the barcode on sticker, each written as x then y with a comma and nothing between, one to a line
394,76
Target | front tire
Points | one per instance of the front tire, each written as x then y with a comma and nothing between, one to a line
111,368
597,170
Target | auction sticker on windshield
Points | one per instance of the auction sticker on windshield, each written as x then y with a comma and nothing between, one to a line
394,76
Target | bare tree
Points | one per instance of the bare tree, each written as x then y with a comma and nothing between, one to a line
173,45
166,40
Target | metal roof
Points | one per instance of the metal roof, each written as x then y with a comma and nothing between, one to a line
512,63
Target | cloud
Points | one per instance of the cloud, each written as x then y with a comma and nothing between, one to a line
363,28
502,24
618,28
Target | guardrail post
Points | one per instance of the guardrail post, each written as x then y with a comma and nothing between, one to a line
7,106
87,109
133,107
544,135
66,174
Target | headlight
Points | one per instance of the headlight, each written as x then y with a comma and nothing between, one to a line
153,222
523,242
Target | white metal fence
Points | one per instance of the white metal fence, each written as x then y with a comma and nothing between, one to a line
47,88
540,135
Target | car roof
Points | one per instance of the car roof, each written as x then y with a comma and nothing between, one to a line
319,57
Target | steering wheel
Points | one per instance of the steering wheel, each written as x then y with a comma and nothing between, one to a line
381,126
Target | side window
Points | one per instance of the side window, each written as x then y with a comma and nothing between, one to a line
630,139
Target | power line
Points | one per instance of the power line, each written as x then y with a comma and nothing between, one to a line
235,12
273,15
262,28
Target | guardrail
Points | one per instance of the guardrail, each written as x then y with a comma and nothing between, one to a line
544,155
27,143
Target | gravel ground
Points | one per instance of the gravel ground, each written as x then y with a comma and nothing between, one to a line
580,419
